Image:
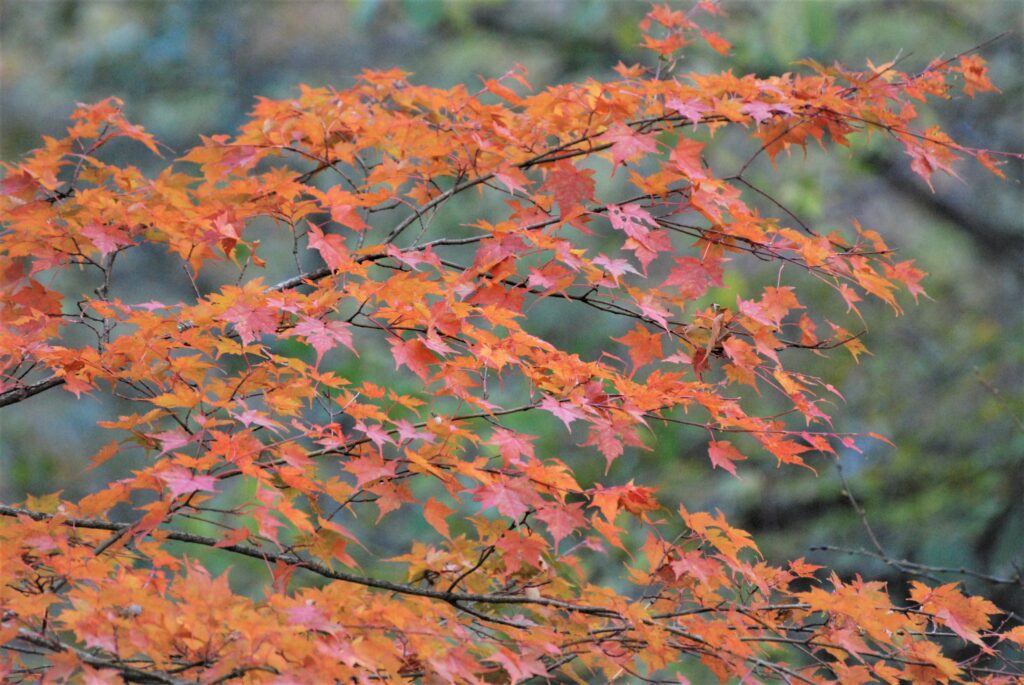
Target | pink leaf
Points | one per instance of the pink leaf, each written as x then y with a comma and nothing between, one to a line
180,480
724,455
562,520
686,157
691,109
331,248
251,322
564,411
518,666
507,500
407,431
627,144
324,335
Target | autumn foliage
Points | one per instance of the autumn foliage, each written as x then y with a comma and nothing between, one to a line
429,228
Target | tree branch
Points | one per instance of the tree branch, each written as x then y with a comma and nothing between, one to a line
324,570
15,395
129,673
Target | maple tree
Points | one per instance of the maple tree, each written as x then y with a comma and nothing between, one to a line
252,418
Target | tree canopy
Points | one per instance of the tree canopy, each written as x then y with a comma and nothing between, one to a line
359,355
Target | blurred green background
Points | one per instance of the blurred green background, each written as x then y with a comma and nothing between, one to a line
946,382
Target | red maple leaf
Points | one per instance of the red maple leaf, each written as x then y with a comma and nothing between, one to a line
513,446
372,467
686,157
414,355
331,247
644,347
693,277
519,666
324,335
565,411
724,455
180,481
562,519
506,498
251,321
571,187
627,144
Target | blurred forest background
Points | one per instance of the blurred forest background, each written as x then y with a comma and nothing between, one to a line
946,379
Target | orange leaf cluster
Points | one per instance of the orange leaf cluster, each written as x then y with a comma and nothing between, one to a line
323,231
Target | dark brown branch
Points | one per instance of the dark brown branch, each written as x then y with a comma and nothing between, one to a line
15,395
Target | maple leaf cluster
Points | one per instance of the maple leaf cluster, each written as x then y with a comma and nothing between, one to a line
255,421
